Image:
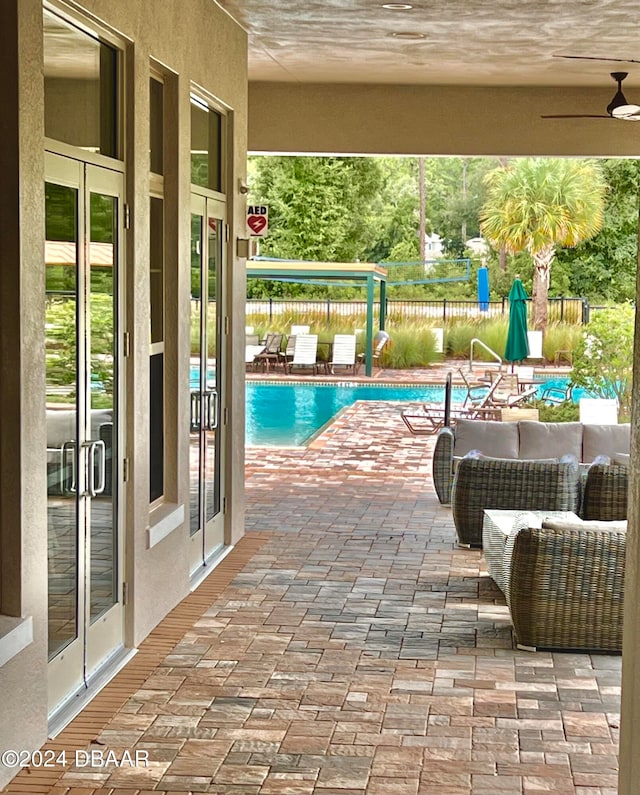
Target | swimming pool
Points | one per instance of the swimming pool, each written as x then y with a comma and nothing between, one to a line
288,414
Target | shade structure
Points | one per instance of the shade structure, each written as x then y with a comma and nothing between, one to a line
517,347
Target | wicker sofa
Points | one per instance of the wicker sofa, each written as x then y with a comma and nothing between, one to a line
523,440
566,587
597,492
484,483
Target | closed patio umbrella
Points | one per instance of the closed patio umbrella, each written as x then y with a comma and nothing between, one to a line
517,347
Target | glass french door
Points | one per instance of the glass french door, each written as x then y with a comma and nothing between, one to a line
205,373
82,255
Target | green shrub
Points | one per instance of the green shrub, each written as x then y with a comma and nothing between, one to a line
457,339
603,362
559,412
410,346
560,337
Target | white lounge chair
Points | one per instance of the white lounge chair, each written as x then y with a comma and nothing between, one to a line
343,352
305,353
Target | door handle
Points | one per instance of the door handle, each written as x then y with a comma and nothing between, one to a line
68,480
212,410
195,412
96,463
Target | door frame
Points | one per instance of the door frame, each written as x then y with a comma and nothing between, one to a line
71,669
207,205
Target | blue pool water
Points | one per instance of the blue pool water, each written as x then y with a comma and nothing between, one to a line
289,414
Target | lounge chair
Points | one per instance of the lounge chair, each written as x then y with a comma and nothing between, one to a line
252,347
430,419
555,395
305,353
476,393
380,339
270,353
508,392
343,353
285,356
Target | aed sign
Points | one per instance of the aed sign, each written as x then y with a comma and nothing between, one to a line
258,220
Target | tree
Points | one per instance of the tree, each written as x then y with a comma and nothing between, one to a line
538,204
604,267
318,206
603,360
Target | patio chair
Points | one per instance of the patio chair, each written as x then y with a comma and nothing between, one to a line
270,353
305,353
380,339
476,393
508,392
343,353
286,355
295,330
252,347
555,395
430,419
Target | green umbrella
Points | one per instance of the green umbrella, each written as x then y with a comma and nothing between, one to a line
517,347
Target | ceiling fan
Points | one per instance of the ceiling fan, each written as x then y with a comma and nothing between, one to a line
618,108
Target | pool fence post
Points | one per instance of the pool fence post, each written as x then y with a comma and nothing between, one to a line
368,359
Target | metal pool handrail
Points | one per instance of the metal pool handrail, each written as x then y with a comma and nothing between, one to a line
487,349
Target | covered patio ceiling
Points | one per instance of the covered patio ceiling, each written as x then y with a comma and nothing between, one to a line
442,42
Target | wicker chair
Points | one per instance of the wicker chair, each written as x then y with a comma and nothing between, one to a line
510,484
566,587
605,493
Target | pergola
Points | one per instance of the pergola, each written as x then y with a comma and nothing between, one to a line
348,273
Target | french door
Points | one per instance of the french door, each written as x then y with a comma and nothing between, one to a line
83,215
205,375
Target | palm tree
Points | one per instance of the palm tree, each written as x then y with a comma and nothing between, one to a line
538,204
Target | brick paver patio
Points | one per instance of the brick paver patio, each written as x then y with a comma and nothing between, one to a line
350,649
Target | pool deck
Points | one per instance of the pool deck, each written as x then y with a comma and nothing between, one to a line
347,646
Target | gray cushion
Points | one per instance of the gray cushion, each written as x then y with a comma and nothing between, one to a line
622,459
498,439
604,440
545,439
578,524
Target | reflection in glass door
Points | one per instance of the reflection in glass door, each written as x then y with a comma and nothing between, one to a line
82,255
205,371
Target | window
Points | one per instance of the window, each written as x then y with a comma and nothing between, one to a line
156,292
156,362
206,146
80,92
156,133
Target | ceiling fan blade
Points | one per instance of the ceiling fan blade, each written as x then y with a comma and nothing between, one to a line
596,58
578,116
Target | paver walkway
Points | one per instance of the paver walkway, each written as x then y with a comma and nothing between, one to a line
358,651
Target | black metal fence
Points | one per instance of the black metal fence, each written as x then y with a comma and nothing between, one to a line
569,310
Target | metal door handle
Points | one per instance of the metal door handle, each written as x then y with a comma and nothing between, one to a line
68,478
195,412
212,410
96,461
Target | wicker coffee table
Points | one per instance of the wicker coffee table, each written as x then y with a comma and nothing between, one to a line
497,528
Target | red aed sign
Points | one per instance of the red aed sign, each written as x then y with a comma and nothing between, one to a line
258,220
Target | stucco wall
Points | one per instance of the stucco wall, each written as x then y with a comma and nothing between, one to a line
199,43
433,120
